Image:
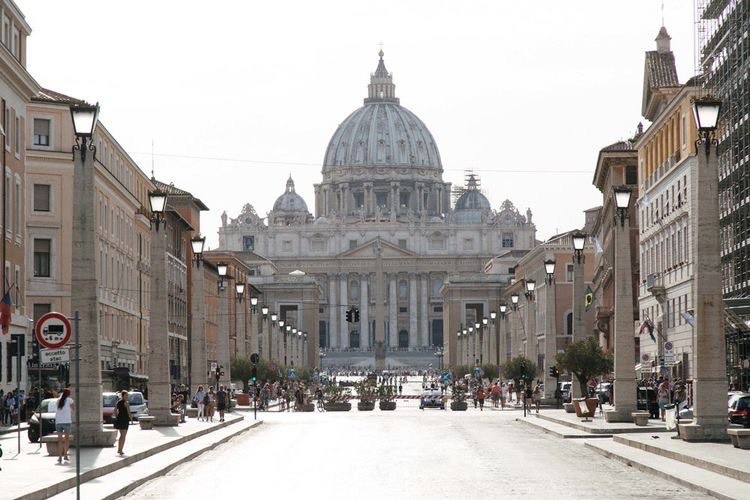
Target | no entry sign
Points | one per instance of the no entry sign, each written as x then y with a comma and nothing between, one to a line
53,330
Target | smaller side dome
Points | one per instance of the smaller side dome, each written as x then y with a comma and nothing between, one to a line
472,199
290,201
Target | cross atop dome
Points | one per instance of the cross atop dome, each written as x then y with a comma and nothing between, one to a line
381,87
290,185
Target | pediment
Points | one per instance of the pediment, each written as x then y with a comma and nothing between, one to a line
368,250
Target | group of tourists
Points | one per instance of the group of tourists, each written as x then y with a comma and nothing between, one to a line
207,402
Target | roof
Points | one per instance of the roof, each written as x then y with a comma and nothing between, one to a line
660,69
171,190
619,146
47,95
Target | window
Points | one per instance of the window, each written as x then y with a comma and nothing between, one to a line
42,257
403,290
569,272
41,132
402,244
631,175
381,199
437,243
468,244
507,240
359,200
352,244
248,243
41,197
6,124
17,136
403,200
17,208
403,309
286,246
437,309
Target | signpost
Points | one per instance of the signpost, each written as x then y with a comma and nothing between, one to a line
53,330
668,353
54,355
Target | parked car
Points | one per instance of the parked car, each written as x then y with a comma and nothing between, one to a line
45,412
739,409
565,391
646,401
138,405
432,398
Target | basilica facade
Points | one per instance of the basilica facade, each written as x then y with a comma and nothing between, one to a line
385,225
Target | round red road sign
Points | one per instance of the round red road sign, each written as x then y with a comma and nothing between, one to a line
53,330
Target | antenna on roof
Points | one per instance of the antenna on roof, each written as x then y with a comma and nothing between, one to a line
152,159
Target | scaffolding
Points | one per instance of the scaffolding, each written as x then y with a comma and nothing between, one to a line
457,191
723,43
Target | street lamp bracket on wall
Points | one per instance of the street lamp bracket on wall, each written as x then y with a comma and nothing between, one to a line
549,269
530,287
198,243
157,201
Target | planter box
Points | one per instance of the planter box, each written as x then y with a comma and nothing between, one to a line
336,406
387,405
146,422
459,405
366,405
569,408
243,399
307,407
591,404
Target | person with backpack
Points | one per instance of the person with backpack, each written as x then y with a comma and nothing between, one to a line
199,397
221,402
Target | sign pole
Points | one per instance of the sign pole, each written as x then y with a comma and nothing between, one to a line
77,319
18,392
39,398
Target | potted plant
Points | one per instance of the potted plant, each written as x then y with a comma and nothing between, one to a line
367,393
585,360
334,399
458,397
387,395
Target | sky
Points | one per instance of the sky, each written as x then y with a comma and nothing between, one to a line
235,96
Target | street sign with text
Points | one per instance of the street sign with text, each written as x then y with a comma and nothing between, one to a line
55,355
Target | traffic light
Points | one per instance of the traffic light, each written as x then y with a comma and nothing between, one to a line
356,315
553,372
218,372
254,374
349,316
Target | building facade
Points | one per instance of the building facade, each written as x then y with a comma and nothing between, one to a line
382,191
16,89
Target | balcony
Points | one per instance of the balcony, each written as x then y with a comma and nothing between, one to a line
655,285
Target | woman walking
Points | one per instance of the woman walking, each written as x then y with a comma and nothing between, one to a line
198,399
536,396
480,397
63,421
122,420
211,404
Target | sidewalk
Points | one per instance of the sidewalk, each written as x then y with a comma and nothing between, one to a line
716,469
33,474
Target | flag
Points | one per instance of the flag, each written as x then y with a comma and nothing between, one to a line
598,246
5,312
689,318
649,326
645,201
589,298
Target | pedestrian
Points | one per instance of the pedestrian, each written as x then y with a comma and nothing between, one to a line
198,399
480,397
185,393
221,402
662,395
510,392
503,395
210,401
495,394
122,420
536,396
63,421
400,389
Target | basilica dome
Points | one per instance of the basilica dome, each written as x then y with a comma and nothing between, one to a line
290,202
382,133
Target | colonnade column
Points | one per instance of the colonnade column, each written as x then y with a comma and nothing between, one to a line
550,341
344,341
334,312
532,350
198,363
424,318
392,310
413,334
364,309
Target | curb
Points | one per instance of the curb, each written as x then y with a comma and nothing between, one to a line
163,470
69,483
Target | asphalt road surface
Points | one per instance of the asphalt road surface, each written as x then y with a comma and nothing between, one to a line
405,454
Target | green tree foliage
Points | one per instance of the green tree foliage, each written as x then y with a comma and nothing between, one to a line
462,370
585,360
366,390
458,392
490,371
520,368
241,368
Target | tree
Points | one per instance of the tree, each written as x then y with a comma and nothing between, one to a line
490,371
585,359
241,369
520,368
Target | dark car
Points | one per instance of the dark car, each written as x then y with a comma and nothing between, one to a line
432,398
45,412
739,410
646,401
602,391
